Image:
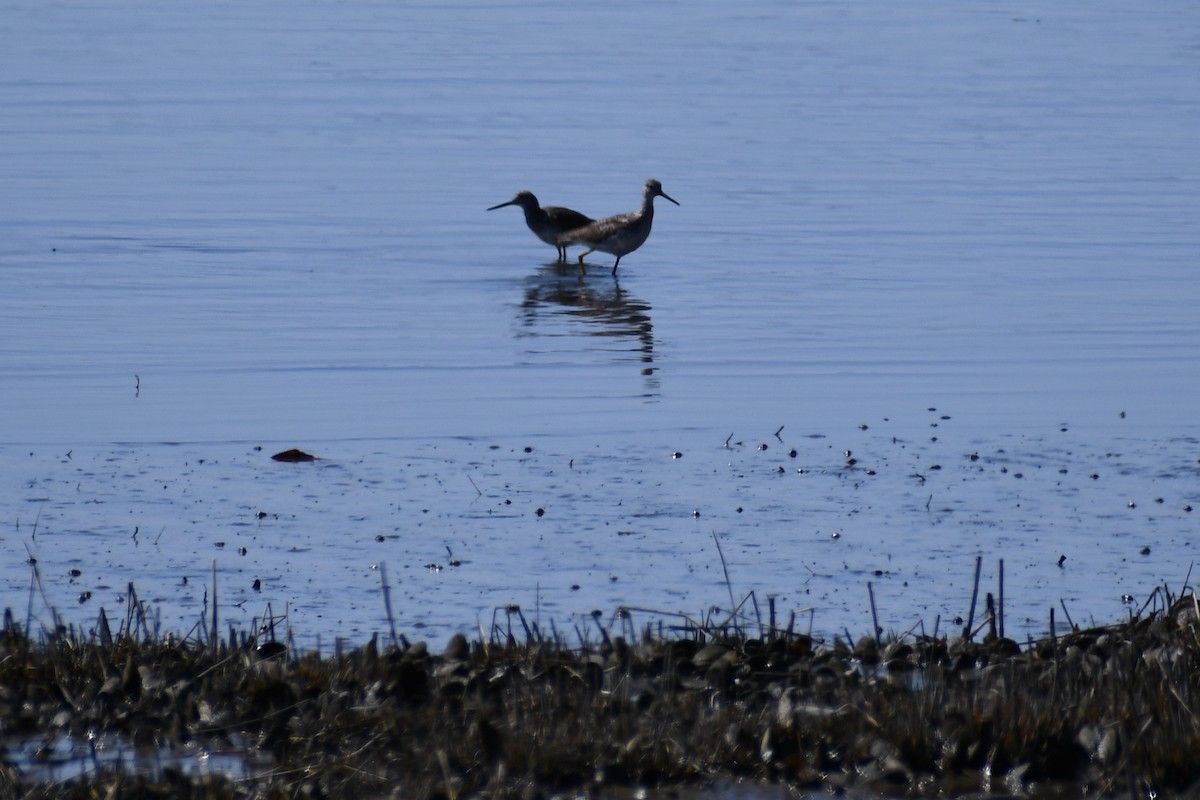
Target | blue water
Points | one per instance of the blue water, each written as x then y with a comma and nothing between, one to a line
232,226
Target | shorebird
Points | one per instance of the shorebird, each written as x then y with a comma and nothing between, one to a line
619,235
549,223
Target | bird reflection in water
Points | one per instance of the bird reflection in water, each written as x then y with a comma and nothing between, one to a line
555,293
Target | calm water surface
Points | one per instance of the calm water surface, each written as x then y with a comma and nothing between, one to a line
959,242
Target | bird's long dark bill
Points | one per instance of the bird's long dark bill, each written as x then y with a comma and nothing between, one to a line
672,199
513,202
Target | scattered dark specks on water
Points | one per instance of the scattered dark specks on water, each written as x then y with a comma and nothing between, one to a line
878,573
612,579
1018,474
762,445
864,426
1145,551
379,537
973,456
242,551
677,454
1158,500
220,545
75,573
454,562
433,567
1061,559
792,453
528,449
84,597
1094,476
780,470
1131,504
739,509
1188,507
540,512
870,472
696,514
293,456
574,587
847,453
837,535
1126,599
257,585
935,466
261,515
850,462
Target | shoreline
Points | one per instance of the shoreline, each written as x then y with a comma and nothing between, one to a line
1093,712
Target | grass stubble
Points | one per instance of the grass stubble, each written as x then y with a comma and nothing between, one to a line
1105,711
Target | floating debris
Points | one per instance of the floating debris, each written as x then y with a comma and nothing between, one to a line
293,456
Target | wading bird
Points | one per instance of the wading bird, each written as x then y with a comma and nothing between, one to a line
549,223
619,235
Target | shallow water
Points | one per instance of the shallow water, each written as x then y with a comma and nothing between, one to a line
229,230
65,758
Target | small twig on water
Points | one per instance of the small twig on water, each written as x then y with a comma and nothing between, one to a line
974,597
781,427
387,601
33,582
1066,613
725,567
874,616
33,536
727,438
215,632
991,615
1002,598
472,480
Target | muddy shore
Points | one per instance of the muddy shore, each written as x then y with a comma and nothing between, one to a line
1109,711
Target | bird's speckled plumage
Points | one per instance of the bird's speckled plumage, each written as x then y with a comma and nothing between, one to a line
619,235
549,223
